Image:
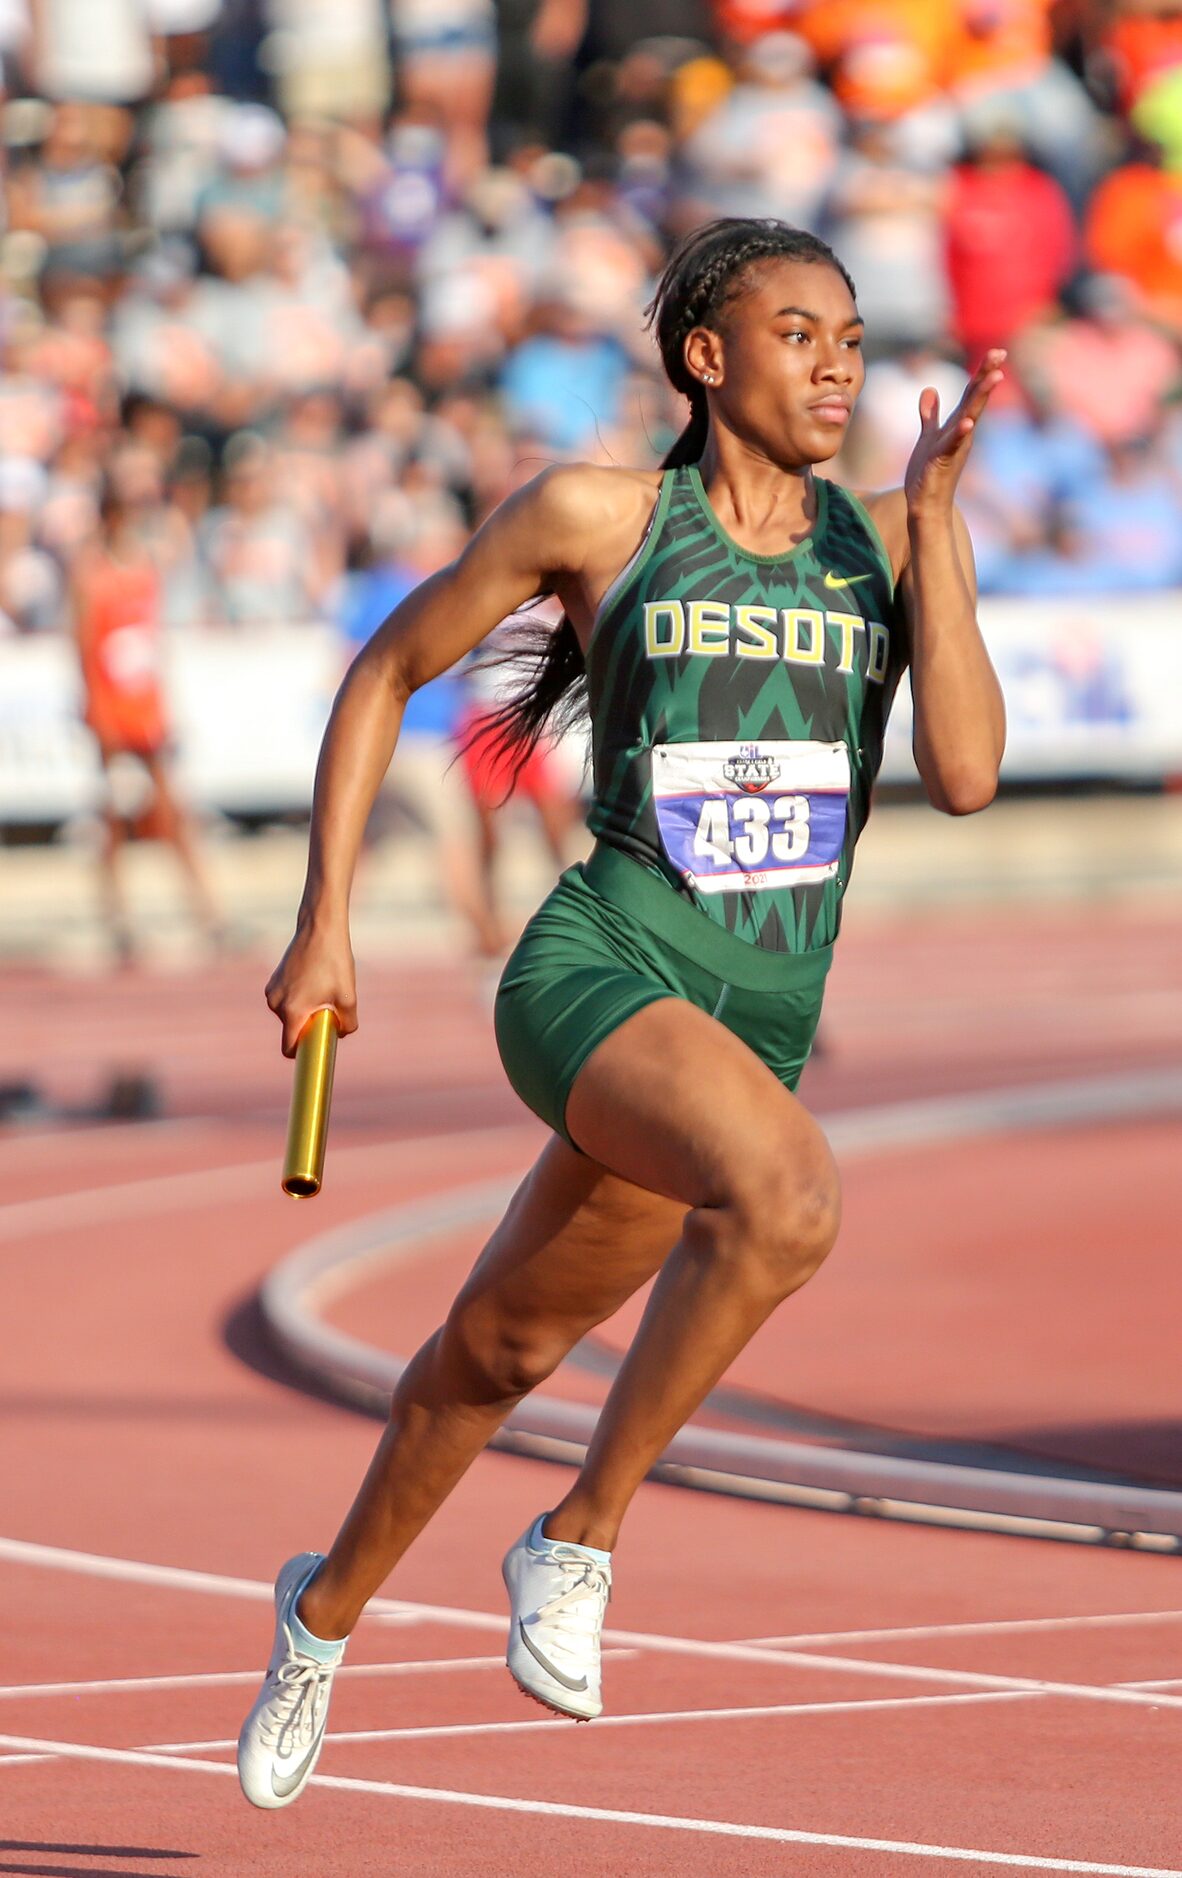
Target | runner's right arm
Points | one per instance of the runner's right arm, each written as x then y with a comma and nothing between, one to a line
540,532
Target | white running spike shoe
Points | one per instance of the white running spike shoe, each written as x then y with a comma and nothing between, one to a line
282,1736
558,1595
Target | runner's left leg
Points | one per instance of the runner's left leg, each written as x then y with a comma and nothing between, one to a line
575,1242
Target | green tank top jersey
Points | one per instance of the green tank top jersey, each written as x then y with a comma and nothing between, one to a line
738,704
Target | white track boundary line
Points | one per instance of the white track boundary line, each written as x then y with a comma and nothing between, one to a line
97,1565
998,1626
760,1712
224,1679
137,1571
647,1718
218,1185
217,1584
552,1809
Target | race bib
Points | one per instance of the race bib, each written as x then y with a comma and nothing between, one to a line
742,817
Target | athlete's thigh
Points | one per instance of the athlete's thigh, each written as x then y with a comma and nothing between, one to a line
674,1102
575,1242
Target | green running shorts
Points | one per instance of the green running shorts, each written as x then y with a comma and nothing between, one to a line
613,937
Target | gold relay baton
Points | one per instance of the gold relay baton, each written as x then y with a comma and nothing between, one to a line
311,1098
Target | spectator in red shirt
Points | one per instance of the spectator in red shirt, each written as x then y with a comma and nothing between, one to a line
1009,241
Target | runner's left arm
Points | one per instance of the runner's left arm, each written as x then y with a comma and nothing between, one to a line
959,716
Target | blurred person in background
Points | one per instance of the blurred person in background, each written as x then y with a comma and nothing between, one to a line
1133,227
563,382
770,146
410,539
536,45
16,40
445,52
116,611
329,58
32,409
1010,238
493,777
885,211
66,193
68,515
1105,366
102,52
1121,532
882,430
71,351
1003,59
156,337
30,579
265,565
1029,466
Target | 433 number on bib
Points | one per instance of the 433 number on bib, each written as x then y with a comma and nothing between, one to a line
744,817
747,830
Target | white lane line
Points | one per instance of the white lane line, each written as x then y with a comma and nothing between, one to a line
1000,1626
94,1564
181,1578
236,1180
553,1809
764,1712
218,1679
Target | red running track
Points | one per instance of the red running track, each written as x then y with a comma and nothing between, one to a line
913,1701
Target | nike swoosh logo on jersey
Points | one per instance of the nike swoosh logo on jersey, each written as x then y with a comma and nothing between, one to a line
283,1784
844,580
551,1669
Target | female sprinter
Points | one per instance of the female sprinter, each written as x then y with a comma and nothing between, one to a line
741,625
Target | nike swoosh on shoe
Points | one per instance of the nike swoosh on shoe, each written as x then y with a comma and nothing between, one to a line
578,1687
282,1785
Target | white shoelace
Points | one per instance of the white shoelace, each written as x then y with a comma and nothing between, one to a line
583,1601
295,1708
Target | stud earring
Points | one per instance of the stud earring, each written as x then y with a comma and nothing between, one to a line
708,378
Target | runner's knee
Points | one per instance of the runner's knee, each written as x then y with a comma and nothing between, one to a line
778,1223
504,1358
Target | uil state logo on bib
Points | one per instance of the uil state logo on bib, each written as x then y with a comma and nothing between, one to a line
751,771
745,817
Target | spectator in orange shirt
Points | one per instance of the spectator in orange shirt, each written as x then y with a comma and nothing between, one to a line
117,627
1134,227
885,56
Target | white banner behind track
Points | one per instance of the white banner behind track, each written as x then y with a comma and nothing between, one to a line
1093,689
248,709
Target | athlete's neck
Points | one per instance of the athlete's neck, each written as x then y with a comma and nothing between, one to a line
764,505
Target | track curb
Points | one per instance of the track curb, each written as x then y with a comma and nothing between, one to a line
829,1478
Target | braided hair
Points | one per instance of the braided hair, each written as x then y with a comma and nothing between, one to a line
703,277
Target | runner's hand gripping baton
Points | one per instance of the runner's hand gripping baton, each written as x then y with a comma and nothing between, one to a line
311,1097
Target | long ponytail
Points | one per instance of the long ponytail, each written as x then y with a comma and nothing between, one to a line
706,272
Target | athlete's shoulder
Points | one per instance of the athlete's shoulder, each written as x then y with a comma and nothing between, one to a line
577,491
581,509
887,509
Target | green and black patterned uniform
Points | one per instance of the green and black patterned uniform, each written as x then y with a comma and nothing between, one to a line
702,641
738,704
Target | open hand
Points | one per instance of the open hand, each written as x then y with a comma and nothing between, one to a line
941,450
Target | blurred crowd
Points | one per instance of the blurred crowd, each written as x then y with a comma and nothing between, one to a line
311,284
